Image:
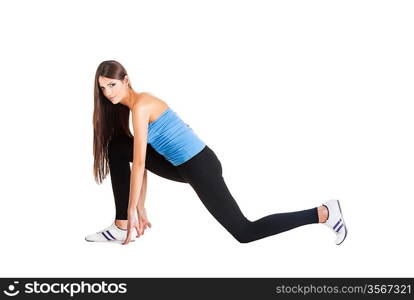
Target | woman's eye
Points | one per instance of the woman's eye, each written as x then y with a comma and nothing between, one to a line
112,84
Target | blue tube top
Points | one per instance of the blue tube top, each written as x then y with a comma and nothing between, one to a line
173,139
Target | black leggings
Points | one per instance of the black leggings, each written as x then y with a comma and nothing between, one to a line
204,173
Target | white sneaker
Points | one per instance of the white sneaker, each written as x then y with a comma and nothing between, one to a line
110,234
336,221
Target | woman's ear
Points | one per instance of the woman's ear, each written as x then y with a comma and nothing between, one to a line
126,80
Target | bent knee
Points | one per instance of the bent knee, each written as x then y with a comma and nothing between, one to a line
243,234
243,239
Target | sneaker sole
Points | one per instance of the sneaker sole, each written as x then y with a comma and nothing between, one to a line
113,241
346,229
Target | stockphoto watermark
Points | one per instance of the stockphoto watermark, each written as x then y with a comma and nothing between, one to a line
69,288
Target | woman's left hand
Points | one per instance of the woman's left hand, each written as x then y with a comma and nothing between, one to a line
143,222
132,224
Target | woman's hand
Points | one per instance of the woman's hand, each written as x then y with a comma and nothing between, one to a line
132,224
142,220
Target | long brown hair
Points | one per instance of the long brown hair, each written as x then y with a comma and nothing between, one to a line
109,120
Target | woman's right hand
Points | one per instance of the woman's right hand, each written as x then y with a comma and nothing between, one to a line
143,222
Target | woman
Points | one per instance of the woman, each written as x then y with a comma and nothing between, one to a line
168,147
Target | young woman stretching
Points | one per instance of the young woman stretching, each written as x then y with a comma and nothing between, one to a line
168,147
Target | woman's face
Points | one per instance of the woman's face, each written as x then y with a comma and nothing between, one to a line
113,89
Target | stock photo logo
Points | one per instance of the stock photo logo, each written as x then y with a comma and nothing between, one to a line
65,288
11,289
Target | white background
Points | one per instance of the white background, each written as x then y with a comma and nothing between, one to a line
302,101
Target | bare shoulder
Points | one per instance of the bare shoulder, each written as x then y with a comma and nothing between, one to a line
153,104
150,98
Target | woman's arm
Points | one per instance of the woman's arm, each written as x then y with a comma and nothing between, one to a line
137,176
141,200
140,119
143,222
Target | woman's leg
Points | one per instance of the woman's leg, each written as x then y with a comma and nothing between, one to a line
204,173
120,154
